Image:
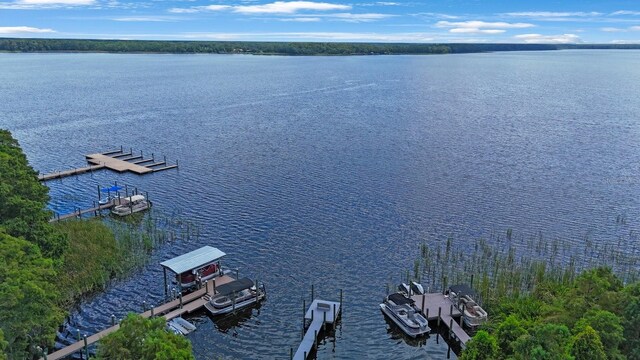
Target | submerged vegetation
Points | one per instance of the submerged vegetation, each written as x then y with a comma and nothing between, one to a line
274,48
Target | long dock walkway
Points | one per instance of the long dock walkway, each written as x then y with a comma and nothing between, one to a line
172,309
81,212
434,306
320,312
115,160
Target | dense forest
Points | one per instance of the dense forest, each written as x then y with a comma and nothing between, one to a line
271,48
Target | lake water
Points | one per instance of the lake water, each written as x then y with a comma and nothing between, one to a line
331,170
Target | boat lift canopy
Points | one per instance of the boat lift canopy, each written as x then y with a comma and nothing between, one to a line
193,260
234,286
190,261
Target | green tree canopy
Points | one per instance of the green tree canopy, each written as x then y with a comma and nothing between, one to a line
607,325
23,200
144,339
482,346
28,311
587,345
508,332
544,342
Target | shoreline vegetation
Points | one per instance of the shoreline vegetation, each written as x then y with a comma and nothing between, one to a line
34,45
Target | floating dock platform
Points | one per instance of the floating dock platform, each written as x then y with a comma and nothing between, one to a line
115,160
320,313
438,307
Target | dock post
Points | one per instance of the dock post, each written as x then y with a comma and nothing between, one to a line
304,311
305,355
324,320
451,310
237,273
99,195
340,299
206,287
471,281
290,353
312,292
176,162
427,315
121,148
315,339
153,157
439,313
164,270
180,295
214,286
95,212
444,285
113,320
334,315
151,311
78,334
130,150
165,159
86,347
144,306
126,191
451,328
449,352
257,291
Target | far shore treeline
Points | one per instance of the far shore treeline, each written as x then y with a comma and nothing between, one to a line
276,48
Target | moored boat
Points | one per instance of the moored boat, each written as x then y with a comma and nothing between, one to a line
235,295
400,309
130,205
462,297
180,326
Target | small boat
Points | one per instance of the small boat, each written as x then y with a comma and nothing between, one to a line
413,288
402,311
235,295
462,298
130,205
180,326
108,199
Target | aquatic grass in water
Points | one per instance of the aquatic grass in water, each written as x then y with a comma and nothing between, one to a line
511,265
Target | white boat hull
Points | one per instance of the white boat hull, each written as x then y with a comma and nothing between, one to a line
411,331
233,307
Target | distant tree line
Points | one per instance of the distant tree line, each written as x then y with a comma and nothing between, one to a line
272,48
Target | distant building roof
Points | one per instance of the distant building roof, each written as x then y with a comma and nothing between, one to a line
193,260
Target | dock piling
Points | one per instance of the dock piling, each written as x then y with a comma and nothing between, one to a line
290,353
312,295
439,314
304,310
152,309
144,306
86,347
113,320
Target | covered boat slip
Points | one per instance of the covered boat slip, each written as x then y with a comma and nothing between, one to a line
190,261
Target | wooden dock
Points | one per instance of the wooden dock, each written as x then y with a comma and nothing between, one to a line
320,313
172,309
439,307
80,212
115,160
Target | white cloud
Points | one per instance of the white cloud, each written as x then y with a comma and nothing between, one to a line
56,2
625,41
277,7
288,7
612,29
145,19
348,17
482,24
548,39
635,28
626,12
476,31
23,30
300,19
551,14
480,27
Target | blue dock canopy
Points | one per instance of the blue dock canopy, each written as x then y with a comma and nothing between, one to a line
193,260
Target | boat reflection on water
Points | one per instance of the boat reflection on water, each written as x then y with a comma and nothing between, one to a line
233,320
396,333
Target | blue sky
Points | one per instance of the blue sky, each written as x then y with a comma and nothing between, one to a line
514,21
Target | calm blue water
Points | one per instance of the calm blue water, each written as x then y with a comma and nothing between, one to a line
331,170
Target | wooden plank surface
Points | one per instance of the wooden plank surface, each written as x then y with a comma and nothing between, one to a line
61,174
117,164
